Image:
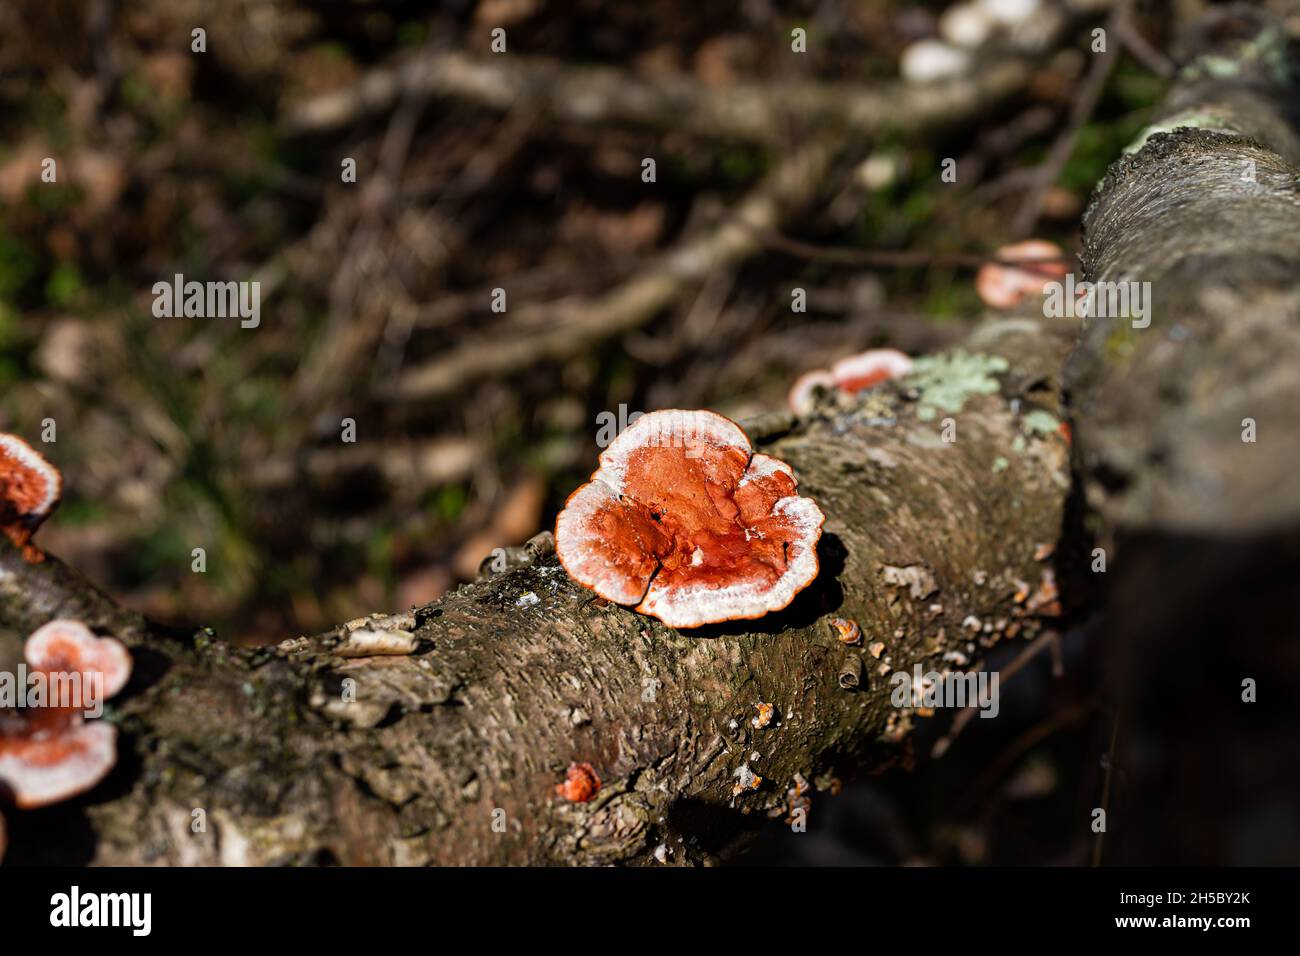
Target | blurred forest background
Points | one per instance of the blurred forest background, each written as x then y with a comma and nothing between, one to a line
183,433
376,295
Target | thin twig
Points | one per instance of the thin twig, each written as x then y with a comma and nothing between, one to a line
1141,49
1019,747
749,111
893,258
1105,790
1050,639
657,285
1080,111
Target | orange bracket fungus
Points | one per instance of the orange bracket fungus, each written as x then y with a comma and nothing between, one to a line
803,395
1006,286
856,373
30,488
850,375
49,753
54,757
685,521
72,648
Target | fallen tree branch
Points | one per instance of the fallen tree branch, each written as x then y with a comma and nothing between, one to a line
1205,211
768,114
788,188
517,676
570,328
1081,110
1186,436
451,753
653,287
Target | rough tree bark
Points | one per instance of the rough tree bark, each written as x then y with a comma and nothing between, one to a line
1186,432
927,545
502,694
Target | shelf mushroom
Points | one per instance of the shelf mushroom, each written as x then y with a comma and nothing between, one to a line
850,375
54,758
49,754
30,488
1006,286
72,648
857,373
685,521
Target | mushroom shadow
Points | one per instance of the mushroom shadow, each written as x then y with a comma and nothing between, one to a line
58,835
819,598
714,827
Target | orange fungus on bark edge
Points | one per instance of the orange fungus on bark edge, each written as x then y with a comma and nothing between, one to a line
580,784
30,488
69,647
1006,286
685,521
850,375
55,757
50,753
857,373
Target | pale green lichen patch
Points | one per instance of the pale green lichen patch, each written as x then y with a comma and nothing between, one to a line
1213,66
1176,122
946,381
1039,422
1268,48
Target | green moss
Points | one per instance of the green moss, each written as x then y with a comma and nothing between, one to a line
449,502
1121,342
412,34
1095,149
18,265
945,299
1137,89
79,511
947,380
739,166
63,285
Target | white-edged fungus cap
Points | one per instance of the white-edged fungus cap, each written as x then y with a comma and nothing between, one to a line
685,521
56,761
1005,287
851,374
802,397
70,647
30,486
854,373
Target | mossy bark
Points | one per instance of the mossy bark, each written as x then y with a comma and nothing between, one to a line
1186,434
1207,214
451,754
